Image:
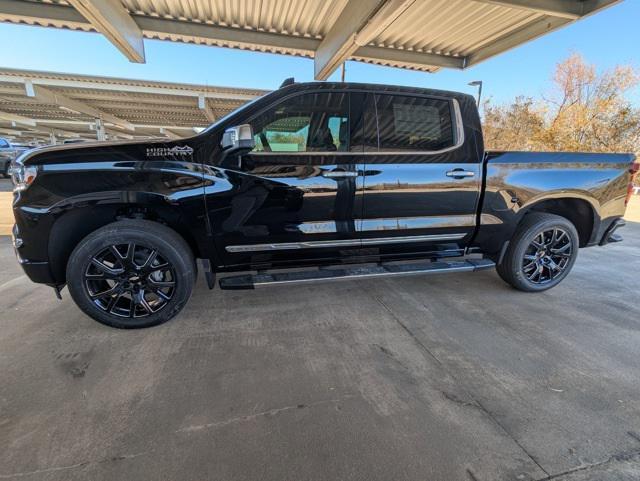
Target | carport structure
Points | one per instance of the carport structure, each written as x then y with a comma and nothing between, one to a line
45,107
423,35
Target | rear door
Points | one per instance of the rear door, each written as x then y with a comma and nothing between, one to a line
421,185
298,194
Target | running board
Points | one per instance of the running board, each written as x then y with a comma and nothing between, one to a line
251,281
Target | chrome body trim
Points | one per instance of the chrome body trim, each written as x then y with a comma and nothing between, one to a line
400,223
460,173
337,174
343,243
413,238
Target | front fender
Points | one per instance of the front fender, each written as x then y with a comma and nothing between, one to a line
68,201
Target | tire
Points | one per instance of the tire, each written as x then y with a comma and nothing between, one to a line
5,171
144,282
546,263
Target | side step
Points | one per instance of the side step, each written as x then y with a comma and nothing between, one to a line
251,281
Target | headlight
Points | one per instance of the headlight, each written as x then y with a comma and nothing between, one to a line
21,175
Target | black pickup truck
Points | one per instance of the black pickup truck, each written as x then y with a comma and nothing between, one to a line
336,180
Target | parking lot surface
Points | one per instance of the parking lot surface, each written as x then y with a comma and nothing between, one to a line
454,377
6,216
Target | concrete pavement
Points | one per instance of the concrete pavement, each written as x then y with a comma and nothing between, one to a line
456,377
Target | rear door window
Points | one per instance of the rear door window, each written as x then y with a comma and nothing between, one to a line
408,123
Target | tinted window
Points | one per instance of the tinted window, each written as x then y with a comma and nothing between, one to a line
364,133
313,122
414,123
3,143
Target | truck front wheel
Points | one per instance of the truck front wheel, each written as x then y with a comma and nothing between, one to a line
131,274
541,253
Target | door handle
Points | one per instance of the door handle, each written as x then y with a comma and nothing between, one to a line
336,174
460,173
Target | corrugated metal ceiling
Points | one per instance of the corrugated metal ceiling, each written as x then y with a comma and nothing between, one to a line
447,33
154,109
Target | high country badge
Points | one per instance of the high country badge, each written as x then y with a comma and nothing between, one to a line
176,151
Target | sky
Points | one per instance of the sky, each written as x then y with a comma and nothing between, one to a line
606,39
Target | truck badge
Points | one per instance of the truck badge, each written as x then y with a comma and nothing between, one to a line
179,151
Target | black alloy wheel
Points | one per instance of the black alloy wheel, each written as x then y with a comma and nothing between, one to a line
130,280
541,253
547,256
131,274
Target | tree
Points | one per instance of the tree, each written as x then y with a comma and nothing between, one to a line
513,127
589,111
585,110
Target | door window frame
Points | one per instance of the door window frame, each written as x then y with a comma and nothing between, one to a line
456,118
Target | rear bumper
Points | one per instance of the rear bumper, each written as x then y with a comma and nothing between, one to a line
610,235
36,271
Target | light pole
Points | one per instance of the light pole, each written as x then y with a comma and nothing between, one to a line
477,83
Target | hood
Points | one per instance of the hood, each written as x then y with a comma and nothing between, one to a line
114,151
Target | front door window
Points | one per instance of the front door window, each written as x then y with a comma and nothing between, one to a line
314,122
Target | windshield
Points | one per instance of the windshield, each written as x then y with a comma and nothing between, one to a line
234,112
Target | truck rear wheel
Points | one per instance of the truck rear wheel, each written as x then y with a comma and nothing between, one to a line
131,274
541,253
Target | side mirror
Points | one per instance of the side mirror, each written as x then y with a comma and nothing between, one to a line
239,137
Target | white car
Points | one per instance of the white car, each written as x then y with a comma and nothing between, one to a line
8,152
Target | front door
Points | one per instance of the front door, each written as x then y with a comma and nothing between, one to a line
297,196
421,186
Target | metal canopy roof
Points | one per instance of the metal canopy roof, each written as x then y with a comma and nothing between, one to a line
36,105
417,34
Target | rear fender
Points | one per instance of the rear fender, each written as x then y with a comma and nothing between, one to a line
520,182
579,208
